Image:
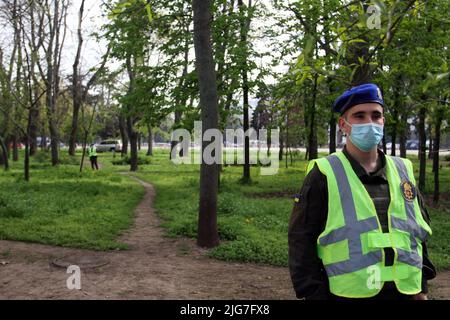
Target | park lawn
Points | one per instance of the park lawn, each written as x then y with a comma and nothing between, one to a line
60,207
252,228
439,243
253,219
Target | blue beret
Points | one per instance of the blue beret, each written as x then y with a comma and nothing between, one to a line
364,93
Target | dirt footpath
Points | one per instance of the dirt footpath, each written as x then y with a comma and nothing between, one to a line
154,268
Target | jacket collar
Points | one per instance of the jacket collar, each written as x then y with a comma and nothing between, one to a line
380,172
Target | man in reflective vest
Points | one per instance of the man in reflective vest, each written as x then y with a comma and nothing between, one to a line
92,153
358,227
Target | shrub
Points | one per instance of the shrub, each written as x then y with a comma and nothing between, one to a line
42,156
8,210
69,160
127,161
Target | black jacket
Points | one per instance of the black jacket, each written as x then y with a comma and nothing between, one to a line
308,220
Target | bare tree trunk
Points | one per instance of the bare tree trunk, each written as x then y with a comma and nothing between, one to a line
8,141
422,148
27,143
393,141
430,137
86,135
287,140
333,126
227,107
208,235
74,129
245,25
34,100
35,112
17,46
312,141
15,149
394,126
123,134
280,153
246,174
53,131
53,83
132,134
437,143
402,143
4,154
177,121
44,143
290,156
403,132
150,141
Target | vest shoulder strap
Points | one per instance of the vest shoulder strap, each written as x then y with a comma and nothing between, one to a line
319,162
404,166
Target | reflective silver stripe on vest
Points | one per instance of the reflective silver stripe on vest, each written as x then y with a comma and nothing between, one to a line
409,225
352,230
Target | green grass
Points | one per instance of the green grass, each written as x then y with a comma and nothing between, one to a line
61,207
439,243
251,228
253,219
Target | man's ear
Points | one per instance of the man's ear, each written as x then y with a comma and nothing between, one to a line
341,123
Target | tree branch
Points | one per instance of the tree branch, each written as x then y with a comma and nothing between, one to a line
323,45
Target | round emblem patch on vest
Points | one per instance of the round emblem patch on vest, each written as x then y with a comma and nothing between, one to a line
408,190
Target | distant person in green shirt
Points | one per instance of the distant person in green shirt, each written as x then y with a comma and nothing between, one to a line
92,153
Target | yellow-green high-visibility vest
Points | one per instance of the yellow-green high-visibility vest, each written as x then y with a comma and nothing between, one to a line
351,246
92,152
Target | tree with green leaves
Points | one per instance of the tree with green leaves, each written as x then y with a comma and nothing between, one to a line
173,26
131,37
